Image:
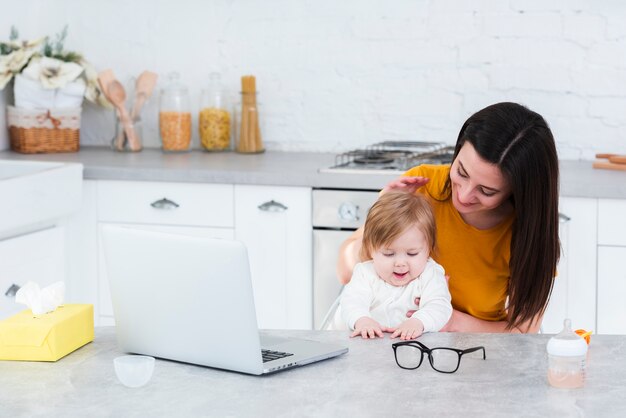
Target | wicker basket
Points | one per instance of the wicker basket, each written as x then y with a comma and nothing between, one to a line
44,131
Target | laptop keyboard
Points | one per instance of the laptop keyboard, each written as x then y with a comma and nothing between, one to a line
269,355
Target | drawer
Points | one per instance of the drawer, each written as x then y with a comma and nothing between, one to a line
166,203
612,222
38,257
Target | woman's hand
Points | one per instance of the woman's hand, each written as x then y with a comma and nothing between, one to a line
366,327
456,321
417,302
405,184
412,311
462,322
409,329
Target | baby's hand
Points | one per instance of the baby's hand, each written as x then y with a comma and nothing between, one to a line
367,328
409,329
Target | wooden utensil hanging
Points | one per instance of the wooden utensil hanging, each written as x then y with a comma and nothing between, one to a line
615,162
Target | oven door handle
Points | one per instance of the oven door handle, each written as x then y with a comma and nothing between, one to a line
272,206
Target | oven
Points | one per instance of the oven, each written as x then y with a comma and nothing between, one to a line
337,213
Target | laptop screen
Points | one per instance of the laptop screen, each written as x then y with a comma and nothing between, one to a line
183,298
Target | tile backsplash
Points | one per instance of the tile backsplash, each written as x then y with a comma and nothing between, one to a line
336,75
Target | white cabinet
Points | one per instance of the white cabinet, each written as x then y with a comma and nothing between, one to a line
182,204
82,269
611,270
185,208
39,257
275,224
611,290
612,222
573,295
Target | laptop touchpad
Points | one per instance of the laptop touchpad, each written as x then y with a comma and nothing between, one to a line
270,341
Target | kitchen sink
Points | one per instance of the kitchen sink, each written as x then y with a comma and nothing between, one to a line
35,194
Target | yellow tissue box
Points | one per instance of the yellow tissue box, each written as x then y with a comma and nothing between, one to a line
48,337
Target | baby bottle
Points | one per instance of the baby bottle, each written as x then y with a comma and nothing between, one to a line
566,358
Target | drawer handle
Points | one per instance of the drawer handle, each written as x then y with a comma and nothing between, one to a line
563,219
12,290
164,203
272,206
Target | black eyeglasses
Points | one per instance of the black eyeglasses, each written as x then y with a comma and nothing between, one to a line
410,354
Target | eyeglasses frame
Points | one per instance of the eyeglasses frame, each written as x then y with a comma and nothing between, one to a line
425,350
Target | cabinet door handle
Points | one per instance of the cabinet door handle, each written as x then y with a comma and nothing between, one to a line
164,203
272,206
12,290
563,219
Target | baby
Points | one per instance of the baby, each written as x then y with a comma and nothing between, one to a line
398,238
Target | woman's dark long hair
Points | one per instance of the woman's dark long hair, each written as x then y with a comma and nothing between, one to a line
520,142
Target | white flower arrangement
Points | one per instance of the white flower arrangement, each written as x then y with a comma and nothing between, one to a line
46,75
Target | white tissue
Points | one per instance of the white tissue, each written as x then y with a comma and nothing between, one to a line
41,301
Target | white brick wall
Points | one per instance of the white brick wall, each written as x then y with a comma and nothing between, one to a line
333,75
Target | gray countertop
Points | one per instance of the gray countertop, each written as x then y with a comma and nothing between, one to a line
578,178
364,382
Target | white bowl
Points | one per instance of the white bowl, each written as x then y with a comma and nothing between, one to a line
134,371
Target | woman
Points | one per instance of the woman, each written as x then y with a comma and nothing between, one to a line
496,209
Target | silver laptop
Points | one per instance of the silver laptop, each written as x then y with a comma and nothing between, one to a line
190,299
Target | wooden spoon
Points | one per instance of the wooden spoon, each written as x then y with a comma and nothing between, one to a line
105,78
117,96
143,90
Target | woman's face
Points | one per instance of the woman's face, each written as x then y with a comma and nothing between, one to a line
404,259
477,185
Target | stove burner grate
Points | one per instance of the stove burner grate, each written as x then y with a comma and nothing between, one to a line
373,159
393,156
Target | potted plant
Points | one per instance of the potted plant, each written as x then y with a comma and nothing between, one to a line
49,85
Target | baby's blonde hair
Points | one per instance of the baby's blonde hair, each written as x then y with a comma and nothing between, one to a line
391,215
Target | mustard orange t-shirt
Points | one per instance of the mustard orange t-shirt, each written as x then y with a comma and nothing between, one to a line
477,261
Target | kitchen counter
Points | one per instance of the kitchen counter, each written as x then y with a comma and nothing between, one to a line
364,382
578,178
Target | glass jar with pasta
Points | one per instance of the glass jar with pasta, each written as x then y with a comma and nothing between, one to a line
215,118
175,116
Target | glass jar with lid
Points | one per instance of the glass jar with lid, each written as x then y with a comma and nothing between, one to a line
215,117
249,140
175,116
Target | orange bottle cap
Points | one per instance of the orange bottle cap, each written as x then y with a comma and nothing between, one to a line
585,334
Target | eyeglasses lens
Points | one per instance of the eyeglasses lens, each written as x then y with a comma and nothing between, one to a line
408,356
444,360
